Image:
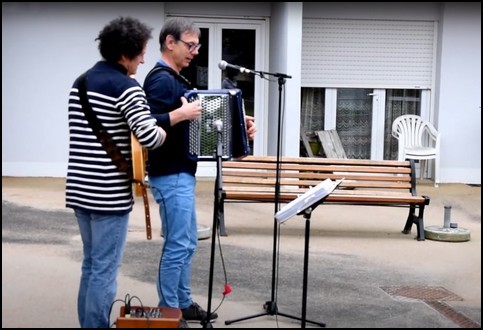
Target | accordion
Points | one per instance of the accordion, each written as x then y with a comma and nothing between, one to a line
225,105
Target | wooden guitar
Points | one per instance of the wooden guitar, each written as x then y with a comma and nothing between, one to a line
139,156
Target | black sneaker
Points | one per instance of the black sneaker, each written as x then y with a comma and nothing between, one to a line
183,324
196,313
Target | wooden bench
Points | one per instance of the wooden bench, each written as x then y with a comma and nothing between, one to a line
366,182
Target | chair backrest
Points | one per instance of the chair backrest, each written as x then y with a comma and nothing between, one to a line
412,131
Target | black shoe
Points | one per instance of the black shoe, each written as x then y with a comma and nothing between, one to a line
183,324
196,313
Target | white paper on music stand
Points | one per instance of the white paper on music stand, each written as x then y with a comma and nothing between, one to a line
306,200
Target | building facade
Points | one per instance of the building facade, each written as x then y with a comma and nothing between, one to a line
352,67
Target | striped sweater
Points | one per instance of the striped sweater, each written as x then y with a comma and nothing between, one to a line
93,181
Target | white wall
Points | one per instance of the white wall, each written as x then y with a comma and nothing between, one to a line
285,58
45,46
217,9
459,95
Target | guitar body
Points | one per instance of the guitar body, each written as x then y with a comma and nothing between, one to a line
139,157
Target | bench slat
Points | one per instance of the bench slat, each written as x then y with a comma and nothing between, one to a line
324,161
314,168
247,181
298,191
308,175
358,199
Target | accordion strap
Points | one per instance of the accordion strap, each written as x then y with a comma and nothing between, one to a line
175,74
111,148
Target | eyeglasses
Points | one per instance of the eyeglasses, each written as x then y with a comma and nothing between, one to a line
191,46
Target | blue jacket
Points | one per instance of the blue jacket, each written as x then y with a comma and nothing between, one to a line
164,88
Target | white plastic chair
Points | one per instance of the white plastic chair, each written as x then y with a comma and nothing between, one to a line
417,139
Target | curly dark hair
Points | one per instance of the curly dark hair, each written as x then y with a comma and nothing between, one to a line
123,36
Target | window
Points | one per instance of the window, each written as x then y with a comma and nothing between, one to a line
363,123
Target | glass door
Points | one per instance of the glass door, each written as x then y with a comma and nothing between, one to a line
197,72
237,42
364,119
398,102
354,121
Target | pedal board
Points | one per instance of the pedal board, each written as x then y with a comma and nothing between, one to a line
149,317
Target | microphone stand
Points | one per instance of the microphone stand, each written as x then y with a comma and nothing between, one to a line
271,306
206,323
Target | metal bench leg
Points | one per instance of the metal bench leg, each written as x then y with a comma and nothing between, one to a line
417,220
222,219
409,221
420,223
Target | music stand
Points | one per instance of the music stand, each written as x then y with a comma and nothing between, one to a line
305,204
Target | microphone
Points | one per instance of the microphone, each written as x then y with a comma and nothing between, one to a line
224,64
219,125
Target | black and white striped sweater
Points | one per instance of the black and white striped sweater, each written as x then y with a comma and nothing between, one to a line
93,181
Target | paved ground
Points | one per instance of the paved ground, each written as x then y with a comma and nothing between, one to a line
362,271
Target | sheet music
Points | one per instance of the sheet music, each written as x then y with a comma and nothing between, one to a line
306,200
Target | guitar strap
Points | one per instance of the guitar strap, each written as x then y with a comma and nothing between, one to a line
112,149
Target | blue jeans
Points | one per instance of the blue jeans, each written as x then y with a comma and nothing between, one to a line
175,195
103,237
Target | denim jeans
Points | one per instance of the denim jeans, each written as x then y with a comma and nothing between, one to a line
175,195
103,237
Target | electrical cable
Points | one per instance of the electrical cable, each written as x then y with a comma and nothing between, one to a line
127,307
227,287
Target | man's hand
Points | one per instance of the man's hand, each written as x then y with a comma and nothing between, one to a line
187,111
251,127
